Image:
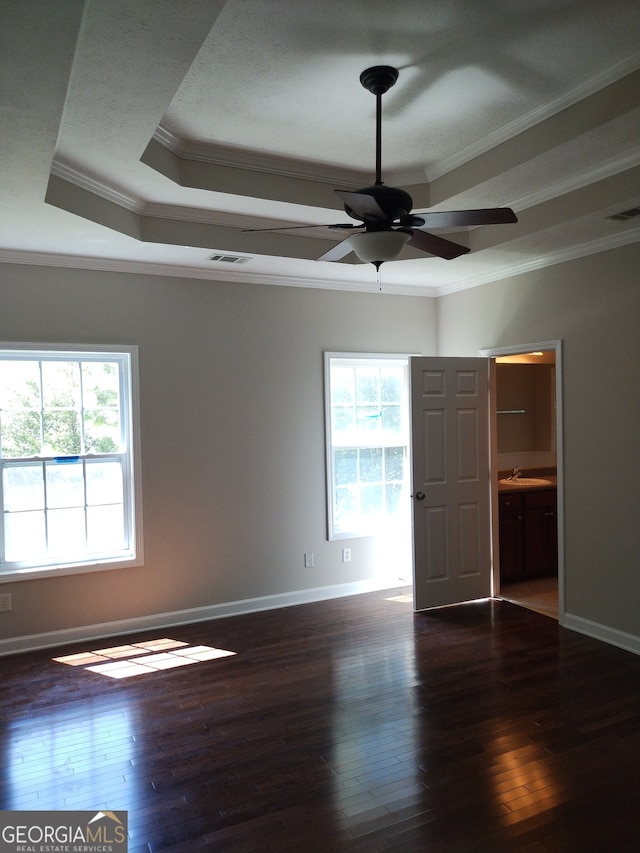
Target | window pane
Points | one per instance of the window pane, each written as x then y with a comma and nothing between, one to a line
105,528
342,386
393,494
20,434
344,421
104,483
66,532
371,465
65,484
368,384
369,420
346,508
100,385
19,384
23,487
102,431
372,499
62,433
346,467
392,419
61,384
25,537
391,384
394,464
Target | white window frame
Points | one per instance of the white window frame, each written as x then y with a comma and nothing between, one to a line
132,555
356,359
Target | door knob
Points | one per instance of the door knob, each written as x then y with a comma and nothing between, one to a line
420,496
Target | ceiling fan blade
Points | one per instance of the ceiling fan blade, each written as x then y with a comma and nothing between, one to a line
300,227
362,204
436,245
339,251
460,218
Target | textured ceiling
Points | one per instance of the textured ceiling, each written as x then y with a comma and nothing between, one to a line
146,134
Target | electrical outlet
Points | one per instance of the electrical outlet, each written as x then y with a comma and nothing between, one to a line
308,560
346,555
5,602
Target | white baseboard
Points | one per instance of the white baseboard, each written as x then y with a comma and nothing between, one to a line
83,633
628,642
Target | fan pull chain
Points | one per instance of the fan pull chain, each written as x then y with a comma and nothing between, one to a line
377,265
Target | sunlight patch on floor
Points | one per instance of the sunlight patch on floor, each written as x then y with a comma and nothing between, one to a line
407,598
142,658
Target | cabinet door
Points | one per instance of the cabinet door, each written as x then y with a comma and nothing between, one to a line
510,532
540,534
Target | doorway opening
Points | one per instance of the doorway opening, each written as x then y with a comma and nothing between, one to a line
526,476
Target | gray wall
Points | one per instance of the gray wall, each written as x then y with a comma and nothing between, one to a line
593,306
233,432
232,420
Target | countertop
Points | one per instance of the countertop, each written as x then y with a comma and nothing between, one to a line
551,482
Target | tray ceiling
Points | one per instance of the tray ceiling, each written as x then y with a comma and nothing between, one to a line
147,135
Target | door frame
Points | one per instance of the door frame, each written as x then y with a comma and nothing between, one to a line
519,349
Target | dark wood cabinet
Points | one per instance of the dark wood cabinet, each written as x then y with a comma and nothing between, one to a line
511,524
528,532
541,533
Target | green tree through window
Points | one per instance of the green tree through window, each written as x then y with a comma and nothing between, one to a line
67,484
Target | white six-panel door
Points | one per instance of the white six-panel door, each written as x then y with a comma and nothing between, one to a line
450,483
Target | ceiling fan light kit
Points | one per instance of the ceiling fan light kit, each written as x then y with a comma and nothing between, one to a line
376,247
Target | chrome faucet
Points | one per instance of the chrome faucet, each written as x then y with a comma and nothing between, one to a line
514,474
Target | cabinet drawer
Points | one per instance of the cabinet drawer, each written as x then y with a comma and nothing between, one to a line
510,502
544,497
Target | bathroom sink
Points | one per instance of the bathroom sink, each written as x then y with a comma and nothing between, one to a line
527,481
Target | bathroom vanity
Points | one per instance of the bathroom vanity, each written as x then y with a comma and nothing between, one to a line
528,529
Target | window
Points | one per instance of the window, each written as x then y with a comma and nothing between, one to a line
68,437
367,417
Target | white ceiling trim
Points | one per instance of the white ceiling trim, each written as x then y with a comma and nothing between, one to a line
222,272
106,191
542,113
244,276
257,161
576,181
249,159
571,253
568,162
215,217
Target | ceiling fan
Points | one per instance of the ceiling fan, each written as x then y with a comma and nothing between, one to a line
384,213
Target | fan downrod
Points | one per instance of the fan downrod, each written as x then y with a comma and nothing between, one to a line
379,78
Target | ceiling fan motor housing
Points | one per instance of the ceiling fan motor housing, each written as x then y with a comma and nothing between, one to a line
394,203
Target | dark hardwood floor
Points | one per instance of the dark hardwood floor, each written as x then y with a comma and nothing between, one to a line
350,725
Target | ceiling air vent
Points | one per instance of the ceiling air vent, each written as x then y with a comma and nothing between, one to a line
229,259
626,214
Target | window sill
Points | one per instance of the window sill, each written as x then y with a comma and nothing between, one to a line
40,572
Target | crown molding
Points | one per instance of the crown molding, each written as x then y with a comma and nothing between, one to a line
257,161
570,253
244,276
577,180
72,175
210,216
230,275
536,116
